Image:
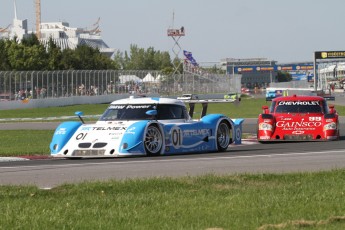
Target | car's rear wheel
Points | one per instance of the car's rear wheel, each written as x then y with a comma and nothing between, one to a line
223,136
153,141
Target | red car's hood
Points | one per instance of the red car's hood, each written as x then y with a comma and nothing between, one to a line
298,123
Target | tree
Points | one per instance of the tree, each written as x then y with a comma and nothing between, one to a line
283,76
119,61
55,56
68,60
4,62
27,55
136,58
141,59
163,60
30,40
30,54
34,57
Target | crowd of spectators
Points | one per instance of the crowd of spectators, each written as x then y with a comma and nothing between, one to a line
82,90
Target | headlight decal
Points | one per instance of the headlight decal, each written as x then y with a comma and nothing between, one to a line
330,126
265,126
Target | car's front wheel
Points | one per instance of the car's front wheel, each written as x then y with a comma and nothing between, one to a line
153,141
223,136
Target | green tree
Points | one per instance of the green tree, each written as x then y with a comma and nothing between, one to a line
91,58
35,57
163,59
149,59
27,55
136,58
30,40
15,53
68,61
30,54
55,56
119,61
283,76
104,62
4,62
141,59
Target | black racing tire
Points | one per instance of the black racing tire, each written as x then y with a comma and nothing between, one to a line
153,140
223,136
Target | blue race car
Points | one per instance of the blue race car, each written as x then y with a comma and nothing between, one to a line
146,126
271,94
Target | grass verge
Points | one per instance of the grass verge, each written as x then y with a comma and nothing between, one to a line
247,108
263,201
25,142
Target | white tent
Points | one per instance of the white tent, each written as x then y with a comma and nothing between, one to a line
159,78
127,78
149,78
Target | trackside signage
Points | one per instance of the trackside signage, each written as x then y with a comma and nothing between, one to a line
329,54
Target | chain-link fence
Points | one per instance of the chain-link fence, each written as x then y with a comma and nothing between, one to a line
18,85
292,84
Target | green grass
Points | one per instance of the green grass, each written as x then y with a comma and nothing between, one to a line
25,142
247,108
263,201
93,109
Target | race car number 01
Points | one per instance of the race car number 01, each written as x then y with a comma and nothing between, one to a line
81,136
176,137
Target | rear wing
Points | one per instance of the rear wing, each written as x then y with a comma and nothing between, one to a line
236,123
204,104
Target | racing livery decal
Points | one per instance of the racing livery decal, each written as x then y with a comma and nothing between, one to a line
146,126
298,118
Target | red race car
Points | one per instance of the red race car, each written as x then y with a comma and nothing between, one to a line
298,118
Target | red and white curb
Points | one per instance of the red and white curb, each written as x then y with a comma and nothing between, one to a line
10,159
23,158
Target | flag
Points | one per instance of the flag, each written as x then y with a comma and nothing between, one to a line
190,58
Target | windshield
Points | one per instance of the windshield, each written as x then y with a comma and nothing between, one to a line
300,107
138,112
127,112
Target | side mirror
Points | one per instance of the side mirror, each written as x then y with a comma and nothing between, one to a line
79,114
331,109
265,109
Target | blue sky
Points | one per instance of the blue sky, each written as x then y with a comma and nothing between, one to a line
281,30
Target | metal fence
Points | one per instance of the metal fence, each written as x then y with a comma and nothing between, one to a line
292,84
18,85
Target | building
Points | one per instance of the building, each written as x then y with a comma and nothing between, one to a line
68,37
256,72
261,72
62,34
